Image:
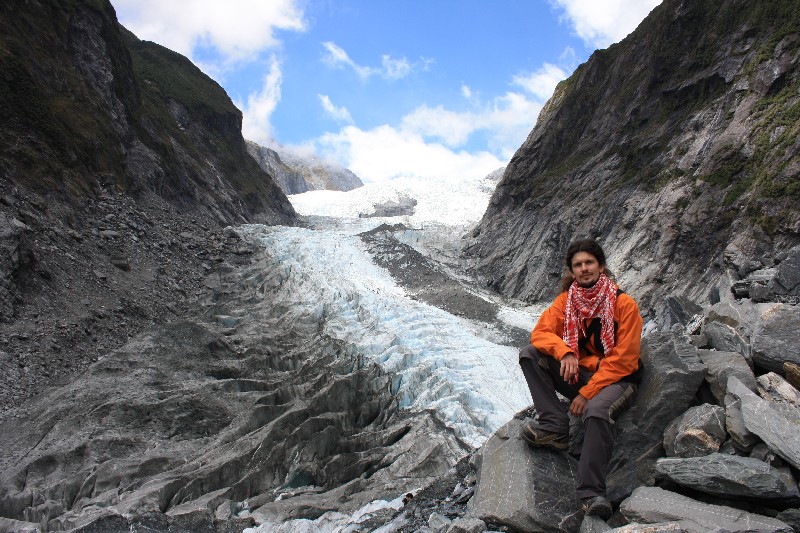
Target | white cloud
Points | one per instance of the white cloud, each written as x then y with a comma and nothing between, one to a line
395,68
430,141
260,105
603,22
384,153
541,83
340,114
236,29
390,69
506,120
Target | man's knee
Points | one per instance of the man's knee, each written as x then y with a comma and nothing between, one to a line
597,409
529,352
609,407
538,358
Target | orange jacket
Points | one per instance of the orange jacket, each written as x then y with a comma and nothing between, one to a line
621,362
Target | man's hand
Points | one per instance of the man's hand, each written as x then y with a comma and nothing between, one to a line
569,368
578,405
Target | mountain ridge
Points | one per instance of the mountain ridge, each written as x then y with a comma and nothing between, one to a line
656,146
120,165
296,174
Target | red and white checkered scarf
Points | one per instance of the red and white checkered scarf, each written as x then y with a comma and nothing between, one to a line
583,303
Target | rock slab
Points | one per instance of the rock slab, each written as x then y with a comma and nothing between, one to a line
778,425
655,505
523,488
731,476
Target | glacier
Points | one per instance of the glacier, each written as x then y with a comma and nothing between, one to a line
463,370
438,361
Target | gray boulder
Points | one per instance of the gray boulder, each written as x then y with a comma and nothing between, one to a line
523,488
654,505
791,517
697,432
778,425
593,524
731,476
673,373
728,329
741,436
722,365
774,339
787,274
662,527
467,524
774,388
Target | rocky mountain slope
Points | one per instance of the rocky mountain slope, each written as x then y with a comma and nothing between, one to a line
676,147
295,174
180,387
119,163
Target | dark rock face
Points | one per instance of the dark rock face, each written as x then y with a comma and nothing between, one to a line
100,106
112,149
295,174
673,374
528,490
651,146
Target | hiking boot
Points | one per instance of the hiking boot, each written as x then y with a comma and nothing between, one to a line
598,506
547,439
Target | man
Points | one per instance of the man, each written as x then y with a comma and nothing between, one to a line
585,346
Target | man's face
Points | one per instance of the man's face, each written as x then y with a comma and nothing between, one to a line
586,269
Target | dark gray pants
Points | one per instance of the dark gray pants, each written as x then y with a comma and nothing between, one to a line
542,374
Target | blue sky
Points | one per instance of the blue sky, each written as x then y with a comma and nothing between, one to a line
388,88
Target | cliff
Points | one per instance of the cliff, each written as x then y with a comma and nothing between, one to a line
120,162
295,174
86,103
676,148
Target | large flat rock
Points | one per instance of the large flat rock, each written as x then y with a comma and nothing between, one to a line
654,505
731,476
523,488
777,424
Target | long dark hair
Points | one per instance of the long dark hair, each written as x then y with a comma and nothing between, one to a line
590,246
